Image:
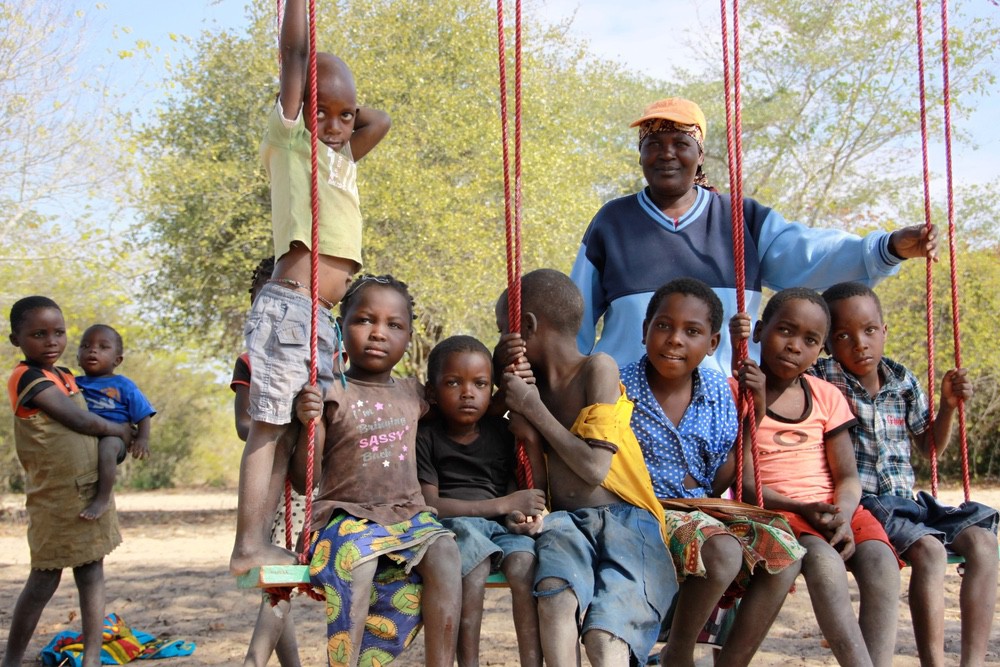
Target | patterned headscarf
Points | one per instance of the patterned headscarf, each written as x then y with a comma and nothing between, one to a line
657,125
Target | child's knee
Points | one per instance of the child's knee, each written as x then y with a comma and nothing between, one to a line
927,553
442,559
977,545
519,569
112,447
723,557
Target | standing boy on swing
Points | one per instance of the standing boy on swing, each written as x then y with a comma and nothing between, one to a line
277,331
892,413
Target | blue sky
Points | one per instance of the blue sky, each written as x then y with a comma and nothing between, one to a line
630,32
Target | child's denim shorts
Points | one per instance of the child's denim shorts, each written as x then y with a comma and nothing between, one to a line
277,342
614,560
906,520
479,539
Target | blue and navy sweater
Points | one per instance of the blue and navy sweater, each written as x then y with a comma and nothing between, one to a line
631,248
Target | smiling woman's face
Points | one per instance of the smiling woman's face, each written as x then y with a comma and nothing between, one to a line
669,162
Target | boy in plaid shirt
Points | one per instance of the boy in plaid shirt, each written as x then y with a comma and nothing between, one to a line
892,412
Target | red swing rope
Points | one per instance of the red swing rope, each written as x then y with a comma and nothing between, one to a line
929,282
314,276
313,286
512,203
952,246
734,146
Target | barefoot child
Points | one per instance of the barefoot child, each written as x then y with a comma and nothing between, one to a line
892,412
273,632
604,539
465,462
117,399
371,524
277,331
808,472
685,421
54,436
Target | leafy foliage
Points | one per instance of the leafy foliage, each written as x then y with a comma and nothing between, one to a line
431,192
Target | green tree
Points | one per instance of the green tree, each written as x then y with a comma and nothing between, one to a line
431,192
831,113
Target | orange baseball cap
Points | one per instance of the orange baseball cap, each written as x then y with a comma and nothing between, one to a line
676,109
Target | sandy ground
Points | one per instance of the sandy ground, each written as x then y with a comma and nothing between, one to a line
169,578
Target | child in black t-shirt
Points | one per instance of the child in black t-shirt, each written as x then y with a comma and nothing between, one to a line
465,464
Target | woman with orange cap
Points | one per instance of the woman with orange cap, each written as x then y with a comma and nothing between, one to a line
678,226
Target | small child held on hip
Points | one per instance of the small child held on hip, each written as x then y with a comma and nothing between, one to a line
273,632
117,399
371,524
277,330
892,415
605,538
54,435
465,462
808,474
685,421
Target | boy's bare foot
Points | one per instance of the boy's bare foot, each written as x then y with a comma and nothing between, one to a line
242,561
95,509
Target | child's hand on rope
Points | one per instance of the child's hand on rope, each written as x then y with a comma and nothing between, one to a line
520,395
509,357
751,377
956,387
740,327
309,404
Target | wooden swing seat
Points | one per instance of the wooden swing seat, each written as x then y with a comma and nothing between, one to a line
290,576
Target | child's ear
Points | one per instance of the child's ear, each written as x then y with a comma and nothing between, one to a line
13,340
118,360
529,325
645,325
757,330
714,343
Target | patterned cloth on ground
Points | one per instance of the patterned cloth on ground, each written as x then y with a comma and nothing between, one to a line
122,644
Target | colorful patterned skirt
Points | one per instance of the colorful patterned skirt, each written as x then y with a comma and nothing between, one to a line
771,545
394,607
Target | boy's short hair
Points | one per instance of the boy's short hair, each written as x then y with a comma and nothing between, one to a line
119,343
359,285
19,311
794,294
449,346
689,287
848,290
552,296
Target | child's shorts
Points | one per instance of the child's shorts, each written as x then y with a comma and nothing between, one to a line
864,526
277,342
906,520
479,539
614,560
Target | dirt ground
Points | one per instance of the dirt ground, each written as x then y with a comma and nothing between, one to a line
169,578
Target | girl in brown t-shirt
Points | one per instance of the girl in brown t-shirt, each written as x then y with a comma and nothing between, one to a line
371,524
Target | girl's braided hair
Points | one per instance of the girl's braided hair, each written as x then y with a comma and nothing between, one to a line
367,280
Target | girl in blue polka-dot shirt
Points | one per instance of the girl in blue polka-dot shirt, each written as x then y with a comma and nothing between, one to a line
685,420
